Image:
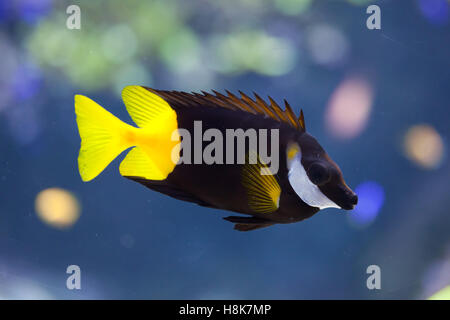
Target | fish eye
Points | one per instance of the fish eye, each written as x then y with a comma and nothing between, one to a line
318,173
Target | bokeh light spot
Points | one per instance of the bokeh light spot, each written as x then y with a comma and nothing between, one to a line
360,2
435,11
24,123
119,43
26,82
131,74
327,45
292,7
443,294
181,51
349,108
8,64
370,200
57,207
33,10
253,51
424,146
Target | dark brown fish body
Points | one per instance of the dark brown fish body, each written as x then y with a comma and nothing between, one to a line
289,179
220,185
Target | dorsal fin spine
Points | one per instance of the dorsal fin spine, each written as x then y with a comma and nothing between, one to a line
254,105
265,107
237,102
232,102
277,109
270,107
290,114
220,99
301,120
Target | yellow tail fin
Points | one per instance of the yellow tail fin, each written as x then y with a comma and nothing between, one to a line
104,137
101,137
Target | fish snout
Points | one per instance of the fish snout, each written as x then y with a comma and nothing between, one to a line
354,199
351,200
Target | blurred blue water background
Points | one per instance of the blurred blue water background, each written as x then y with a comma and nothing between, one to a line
377,100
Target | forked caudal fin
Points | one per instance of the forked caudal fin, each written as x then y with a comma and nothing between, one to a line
104,136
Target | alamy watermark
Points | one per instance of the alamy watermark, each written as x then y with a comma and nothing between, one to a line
374,20
221,147
74,19
74,280
374,280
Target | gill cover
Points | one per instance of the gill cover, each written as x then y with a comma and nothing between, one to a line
300,182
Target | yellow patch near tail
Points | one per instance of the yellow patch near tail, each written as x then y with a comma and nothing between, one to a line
138,164
147,109
104,136
263,190
152,158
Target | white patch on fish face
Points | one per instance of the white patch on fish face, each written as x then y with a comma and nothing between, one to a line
305,189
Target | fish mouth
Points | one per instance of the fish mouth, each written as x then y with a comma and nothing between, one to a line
350,202
348,206
341,195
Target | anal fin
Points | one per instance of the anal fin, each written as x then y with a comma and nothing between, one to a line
171,191
248,223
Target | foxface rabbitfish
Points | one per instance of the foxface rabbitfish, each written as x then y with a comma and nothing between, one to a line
295,182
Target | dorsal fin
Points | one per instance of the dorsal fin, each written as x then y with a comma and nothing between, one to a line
237,102
290,115
232,102
260,108
275,115
277,109
219,99
301,120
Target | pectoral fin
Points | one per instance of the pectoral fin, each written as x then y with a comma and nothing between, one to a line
263,190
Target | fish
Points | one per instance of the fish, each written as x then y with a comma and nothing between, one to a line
298,179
